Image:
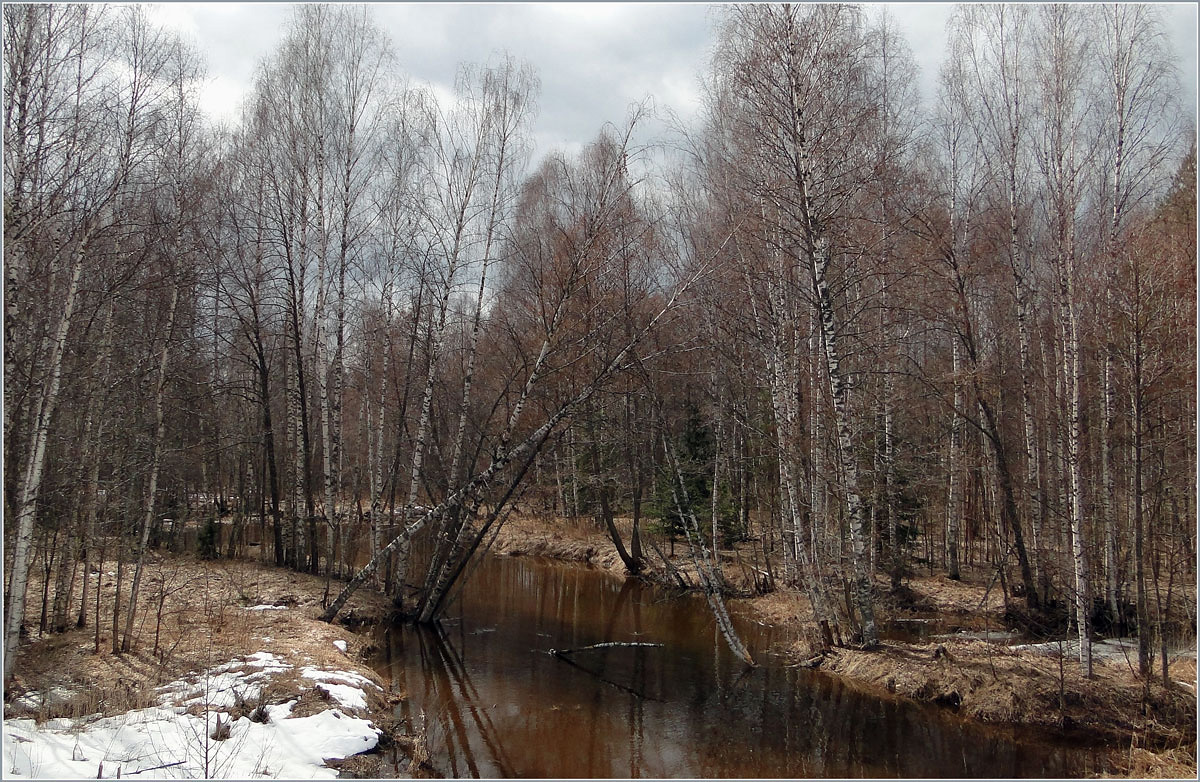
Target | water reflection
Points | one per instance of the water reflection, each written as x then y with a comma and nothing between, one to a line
497,704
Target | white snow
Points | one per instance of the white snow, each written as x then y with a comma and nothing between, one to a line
350,697
341,685
1107,649
341,645
266,607
225,685
177,746
264,660
166,742
51,697
349,677
991,636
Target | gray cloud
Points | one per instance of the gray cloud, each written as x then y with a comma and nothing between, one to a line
593,59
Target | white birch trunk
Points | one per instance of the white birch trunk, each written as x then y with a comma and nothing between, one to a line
706,567
798,561
1109,488
155,461
954,499
93,433
889,483
35,461
1083,597
839,389
817,496
292,391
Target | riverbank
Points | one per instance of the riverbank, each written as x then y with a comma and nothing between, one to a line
240,644
230,671
963,657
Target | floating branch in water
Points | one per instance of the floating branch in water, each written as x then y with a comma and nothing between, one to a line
606,645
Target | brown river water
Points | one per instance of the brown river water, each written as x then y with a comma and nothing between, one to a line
496,703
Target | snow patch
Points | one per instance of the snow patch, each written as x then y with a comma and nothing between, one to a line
265,607
990,636
1108,649
345,677
343,686
166,742
264,660
55,696
341,646
224,686
348,696
177,746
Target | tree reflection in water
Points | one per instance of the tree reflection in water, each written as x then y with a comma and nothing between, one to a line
498,705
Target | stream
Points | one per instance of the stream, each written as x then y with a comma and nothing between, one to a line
497,703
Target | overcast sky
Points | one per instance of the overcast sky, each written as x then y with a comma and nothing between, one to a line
593,59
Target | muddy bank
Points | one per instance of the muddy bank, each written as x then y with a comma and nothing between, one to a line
1149,731
229,639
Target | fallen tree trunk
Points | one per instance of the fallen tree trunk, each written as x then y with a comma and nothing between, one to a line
605,645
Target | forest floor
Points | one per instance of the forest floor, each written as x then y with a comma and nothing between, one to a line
213,639
945,642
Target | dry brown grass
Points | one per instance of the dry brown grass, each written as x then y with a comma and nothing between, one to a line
197,610
948,595
1177,763
584,540
1000,684
781,607
1183,669
564,539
